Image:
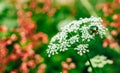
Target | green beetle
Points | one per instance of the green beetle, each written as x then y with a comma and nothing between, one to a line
94,29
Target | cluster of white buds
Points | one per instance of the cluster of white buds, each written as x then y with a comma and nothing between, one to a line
77,34
98,61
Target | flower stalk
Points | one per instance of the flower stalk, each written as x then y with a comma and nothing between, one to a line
88,58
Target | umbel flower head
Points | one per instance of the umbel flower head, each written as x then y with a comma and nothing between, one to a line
98,61
77,35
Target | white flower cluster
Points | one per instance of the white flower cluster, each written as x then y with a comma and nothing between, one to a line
77,35
85,33
98,62
82,49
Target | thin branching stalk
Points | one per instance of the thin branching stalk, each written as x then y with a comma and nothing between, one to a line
90,63
89,7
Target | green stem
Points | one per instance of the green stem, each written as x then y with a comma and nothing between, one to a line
90,63
89,7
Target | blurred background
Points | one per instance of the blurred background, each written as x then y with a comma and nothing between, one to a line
26,27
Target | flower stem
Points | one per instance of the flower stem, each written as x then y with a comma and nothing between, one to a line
89,7
90,63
